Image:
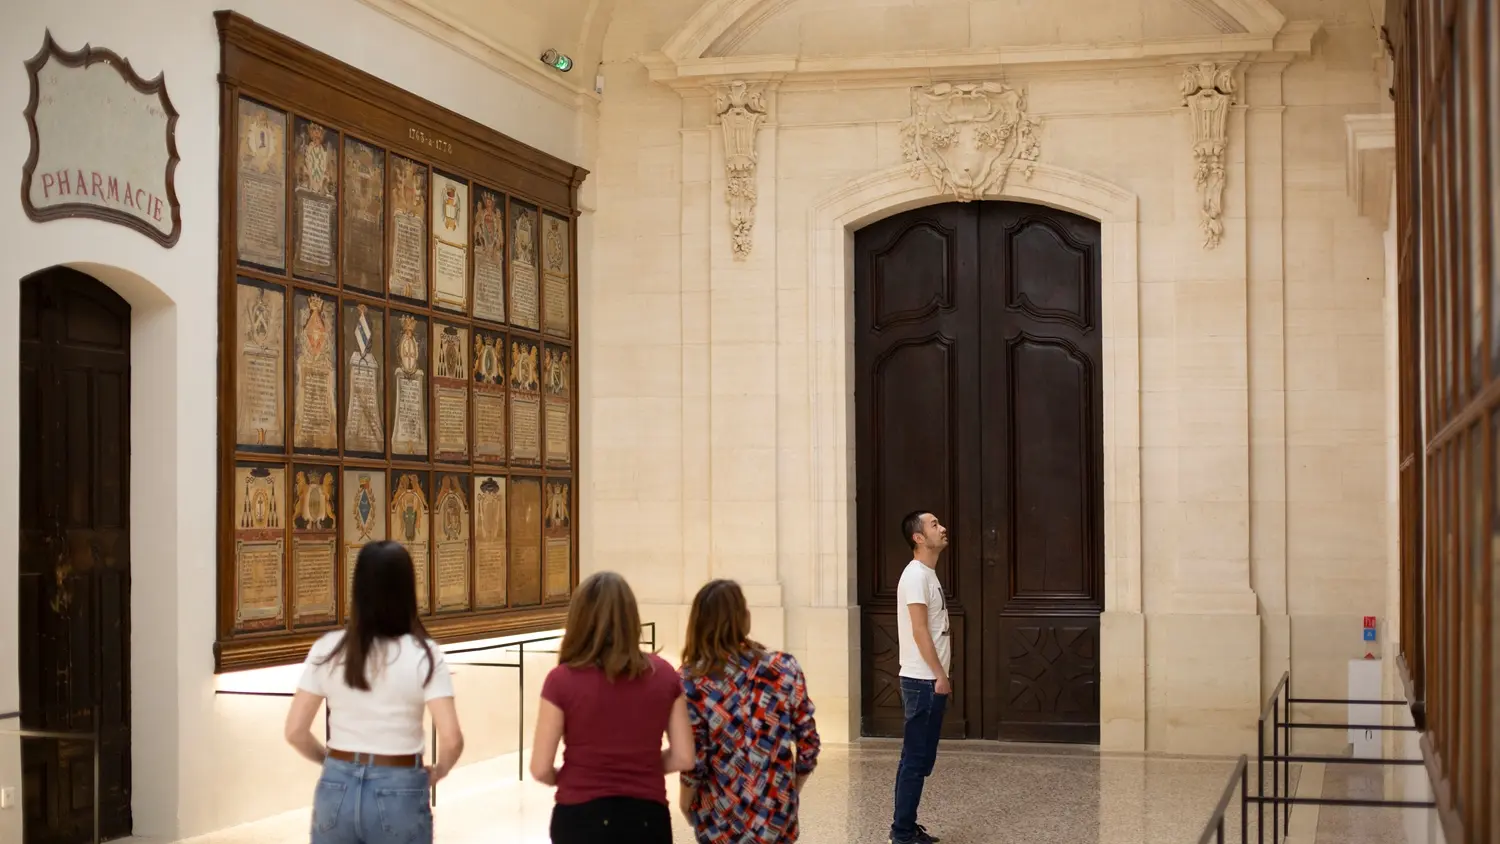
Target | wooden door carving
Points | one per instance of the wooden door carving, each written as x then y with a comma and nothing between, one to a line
978,395
74,554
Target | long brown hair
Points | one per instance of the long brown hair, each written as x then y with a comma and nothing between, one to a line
718,629
604,629
384,606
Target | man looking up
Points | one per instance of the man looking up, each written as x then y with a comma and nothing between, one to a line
922,627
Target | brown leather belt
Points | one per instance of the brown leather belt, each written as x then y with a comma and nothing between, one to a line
381,760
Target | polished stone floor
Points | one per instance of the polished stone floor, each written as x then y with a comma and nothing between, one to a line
1365,824
979,794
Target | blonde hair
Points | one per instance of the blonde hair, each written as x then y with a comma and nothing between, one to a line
718,629
604,629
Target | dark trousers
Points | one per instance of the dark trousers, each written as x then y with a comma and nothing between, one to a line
612,820
919,743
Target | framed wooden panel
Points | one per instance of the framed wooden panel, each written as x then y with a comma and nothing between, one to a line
489,255
315,541
364,520
398,349
524,529
315,201
525,402
490,379
362,250
525,290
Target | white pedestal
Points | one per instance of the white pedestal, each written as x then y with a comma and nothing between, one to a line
1364,684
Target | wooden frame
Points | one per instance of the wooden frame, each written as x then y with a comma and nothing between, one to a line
84,58
278,76
1447,54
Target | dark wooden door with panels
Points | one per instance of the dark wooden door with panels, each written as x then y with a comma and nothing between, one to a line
74,556
978,395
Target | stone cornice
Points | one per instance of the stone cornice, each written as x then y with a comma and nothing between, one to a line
1293,39
721,24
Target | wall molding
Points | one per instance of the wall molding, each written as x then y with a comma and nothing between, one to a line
926,67
719,25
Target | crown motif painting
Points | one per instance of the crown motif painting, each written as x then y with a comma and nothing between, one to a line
969,136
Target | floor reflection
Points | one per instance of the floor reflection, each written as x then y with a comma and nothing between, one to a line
980,793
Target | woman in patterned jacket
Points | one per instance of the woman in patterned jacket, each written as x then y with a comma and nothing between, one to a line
753,729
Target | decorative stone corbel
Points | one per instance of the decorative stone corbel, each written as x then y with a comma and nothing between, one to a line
1208,91
741,108
968,136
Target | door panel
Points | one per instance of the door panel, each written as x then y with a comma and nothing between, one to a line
978,395
916,358
75,554
1043,474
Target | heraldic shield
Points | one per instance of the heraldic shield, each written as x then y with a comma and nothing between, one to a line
968,136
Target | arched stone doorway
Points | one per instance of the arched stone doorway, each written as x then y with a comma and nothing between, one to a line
833,221
978,394
74,561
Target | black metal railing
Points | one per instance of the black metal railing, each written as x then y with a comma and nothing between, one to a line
520,647
1213,831
91,736
519,665
1277,717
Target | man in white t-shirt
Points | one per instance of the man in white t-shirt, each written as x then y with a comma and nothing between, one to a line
922,628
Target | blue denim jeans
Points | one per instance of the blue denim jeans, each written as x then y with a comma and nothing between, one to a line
919,743
366,804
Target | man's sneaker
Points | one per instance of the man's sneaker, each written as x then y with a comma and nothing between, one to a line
923,837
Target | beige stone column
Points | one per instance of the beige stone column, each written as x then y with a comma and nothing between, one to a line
698,201
1265,171
1203,636
742,351
1213,473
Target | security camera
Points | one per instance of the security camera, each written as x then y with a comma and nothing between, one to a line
557,61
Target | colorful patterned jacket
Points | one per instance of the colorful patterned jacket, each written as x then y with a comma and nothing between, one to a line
754,732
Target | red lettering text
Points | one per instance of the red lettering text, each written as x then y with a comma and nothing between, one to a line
64,183
138,203
156,208
49,182
129,195
114,189
95,187
83,187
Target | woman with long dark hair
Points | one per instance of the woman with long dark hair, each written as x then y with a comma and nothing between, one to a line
609,704
753,727
378,675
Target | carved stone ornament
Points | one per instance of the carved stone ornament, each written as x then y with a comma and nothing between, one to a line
741,108
1208,92
103,143
968,136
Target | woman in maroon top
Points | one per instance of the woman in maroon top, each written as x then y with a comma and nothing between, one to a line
609,703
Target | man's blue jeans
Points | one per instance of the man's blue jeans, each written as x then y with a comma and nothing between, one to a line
919,743
365,804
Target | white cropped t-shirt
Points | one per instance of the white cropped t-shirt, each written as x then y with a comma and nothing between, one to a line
387,719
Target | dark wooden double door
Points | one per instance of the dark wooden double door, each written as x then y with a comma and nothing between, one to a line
74,555
978,397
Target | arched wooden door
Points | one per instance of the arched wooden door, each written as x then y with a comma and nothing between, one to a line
978,395
74,554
